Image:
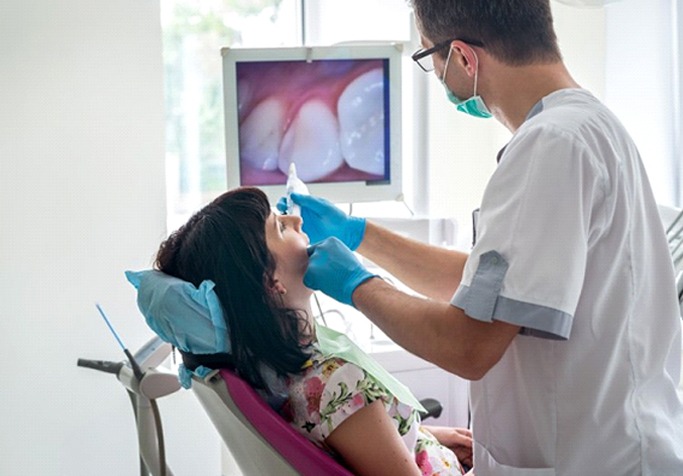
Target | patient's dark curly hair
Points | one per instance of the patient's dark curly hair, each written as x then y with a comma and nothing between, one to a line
226,242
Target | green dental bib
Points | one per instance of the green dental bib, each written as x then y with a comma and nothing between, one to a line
336,344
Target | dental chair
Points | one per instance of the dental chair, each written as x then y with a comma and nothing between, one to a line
259,439
191,319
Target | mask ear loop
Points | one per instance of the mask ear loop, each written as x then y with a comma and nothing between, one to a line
445,69
476,73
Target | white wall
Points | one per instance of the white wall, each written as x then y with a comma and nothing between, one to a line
643,85
81,200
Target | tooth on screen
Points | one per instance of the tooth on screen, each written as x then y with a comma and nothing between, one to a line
312,142
360,109
245,94
261,133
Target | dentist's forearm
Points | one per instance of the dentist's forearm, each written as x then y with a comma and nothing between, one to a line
436,331
432,271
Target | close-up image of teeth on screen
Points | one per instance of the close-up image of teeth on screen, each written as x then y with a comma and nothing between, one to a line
329,117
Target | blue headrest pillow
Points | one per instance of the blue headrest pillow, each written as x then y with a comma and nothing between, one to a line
183,315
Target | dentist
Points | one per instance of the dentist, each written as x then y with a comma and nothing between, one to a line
564,315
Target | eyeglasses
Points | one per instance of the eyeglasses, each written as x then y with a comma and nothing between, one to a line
423,56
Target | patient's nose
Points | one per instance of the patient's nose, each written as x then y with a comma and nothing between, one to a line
298,222
294,221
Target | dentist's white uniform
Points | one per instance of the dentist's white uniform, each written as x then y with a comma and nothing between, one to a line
570,246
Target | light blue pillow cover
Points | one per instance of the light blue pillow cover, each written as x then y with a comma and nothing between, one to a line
183,315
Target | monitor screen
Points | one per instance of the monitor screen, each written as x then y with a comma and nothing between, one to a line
332,111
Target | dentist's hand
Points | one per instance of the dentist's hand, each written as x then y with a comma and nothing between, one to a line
335,270
323,219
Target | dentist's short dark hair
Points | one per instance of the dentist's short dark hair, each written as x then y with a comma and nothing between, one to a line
516,32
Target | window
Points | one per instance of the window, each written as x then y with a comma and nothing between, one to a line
194,31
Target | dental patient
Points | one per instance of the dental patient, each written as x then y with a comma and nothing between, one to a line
333,393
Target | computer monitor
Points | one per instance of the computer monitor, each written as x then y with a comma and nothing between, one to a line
334,111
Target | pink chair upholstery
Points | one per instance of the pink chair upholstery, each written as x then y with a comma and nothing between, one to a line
259,439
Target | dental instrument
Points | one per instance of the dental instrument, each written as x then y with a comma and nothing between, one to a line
294,185
144,384
136,369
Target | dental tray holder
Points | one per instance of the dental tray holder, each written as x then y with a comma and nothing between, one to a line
145,384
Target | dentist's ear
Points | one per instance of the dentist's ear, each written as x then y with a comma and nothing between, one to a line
465,56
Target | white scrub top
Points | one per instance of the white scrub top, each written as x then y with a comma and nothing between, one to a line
571,248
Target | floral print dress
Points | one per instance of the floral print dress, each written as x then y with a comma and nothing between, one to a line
329,390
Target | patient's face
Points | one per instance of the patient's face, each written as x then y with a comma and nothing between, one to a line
288,244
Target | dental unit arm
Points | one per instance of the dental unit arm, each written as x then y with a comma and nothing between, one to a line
145,384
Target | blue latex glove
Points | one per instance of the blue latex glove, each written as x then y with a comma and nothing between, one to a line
322,220
335,270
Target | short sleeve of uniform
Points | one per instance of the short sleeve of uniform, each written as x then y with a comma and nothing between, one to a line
536,220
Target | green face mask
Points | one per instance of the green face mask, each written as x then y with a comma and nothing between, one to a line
473,106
